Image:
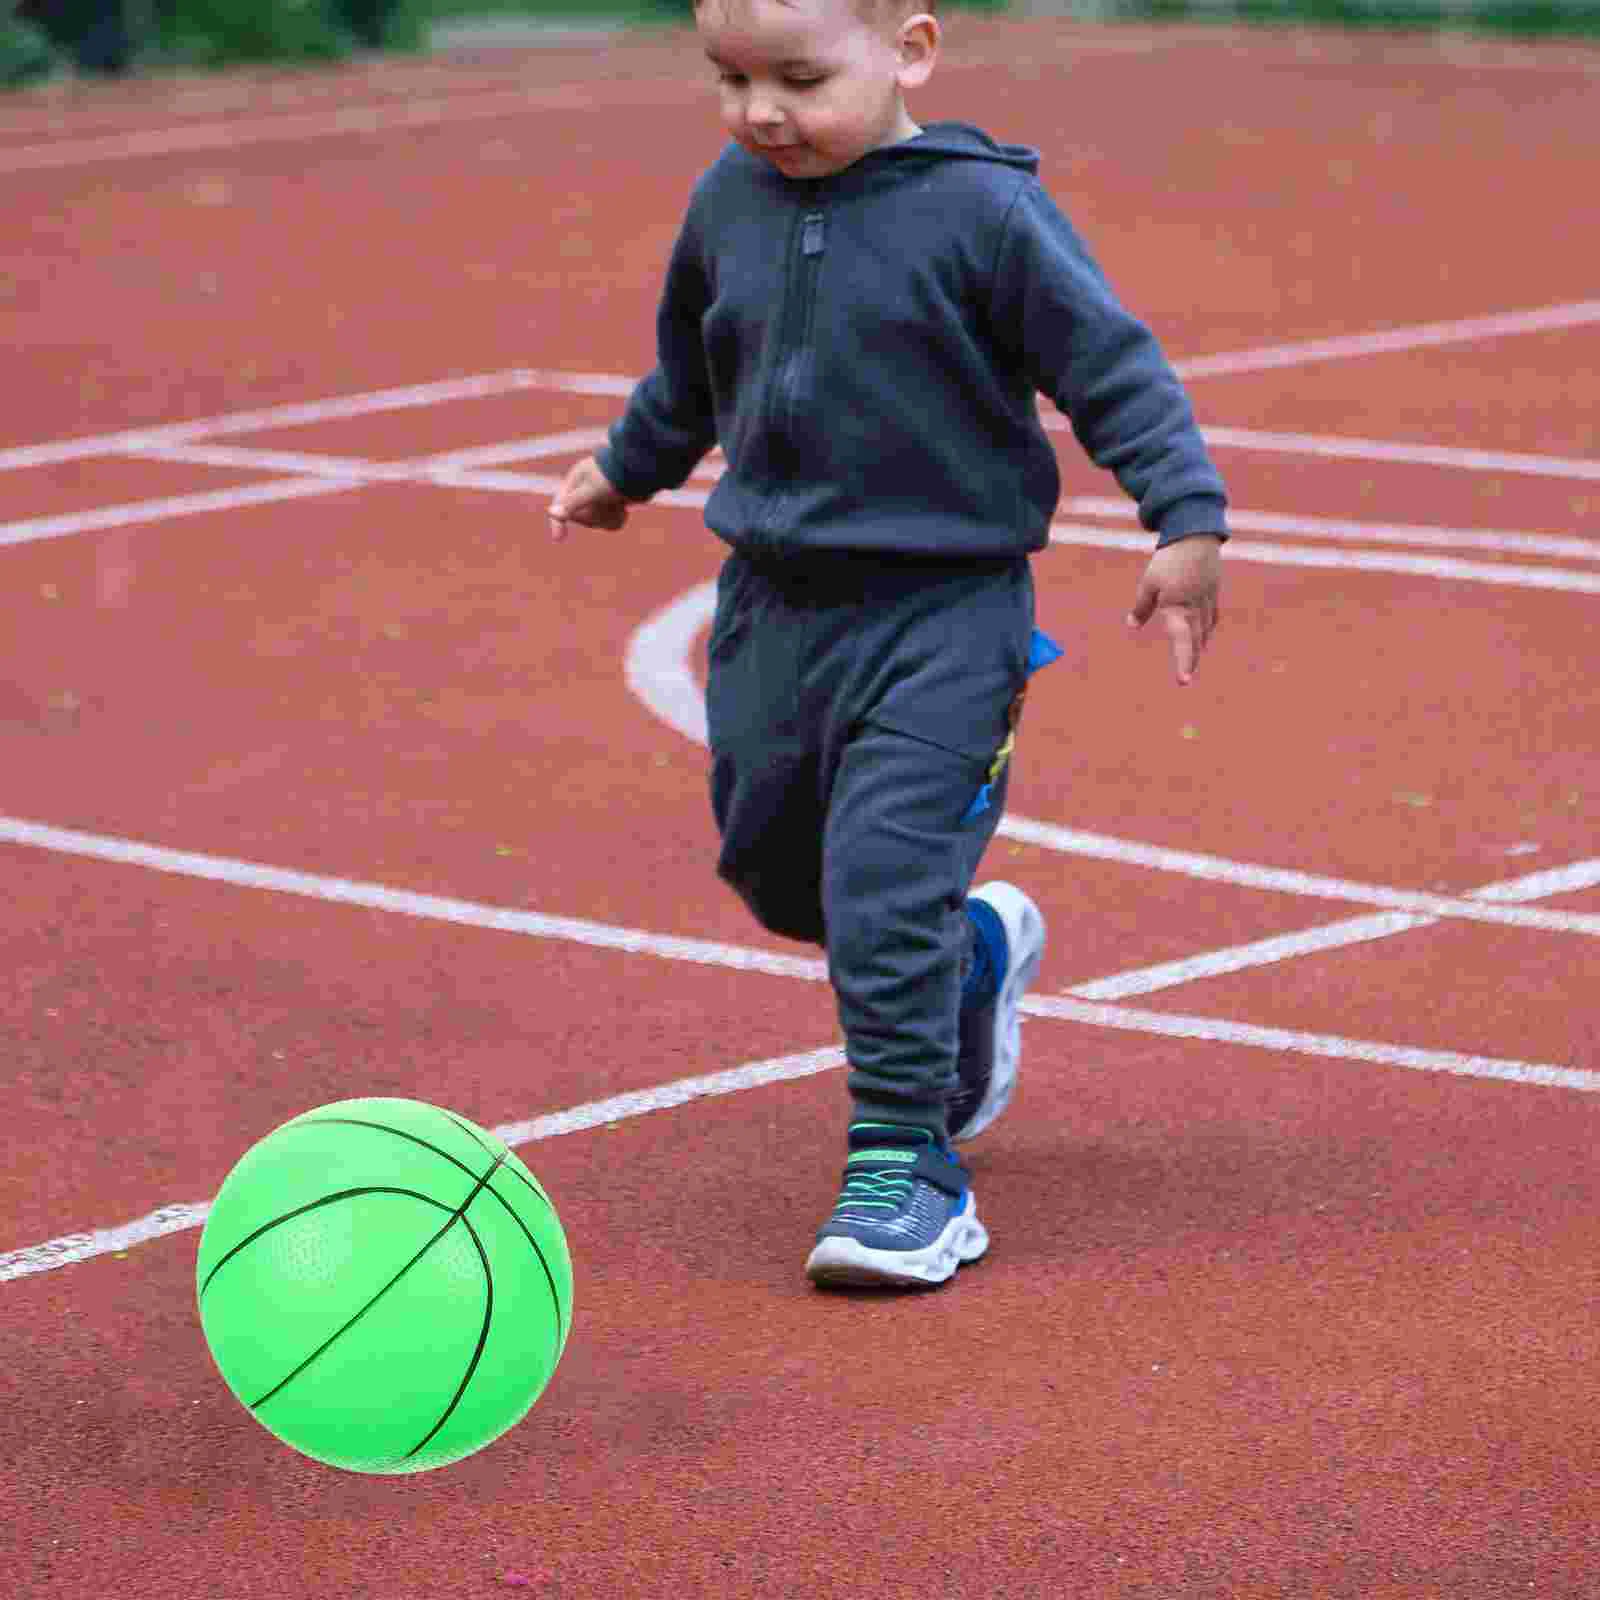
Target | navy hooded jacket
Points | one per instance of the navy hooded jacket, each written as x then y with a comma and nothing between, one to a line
868,349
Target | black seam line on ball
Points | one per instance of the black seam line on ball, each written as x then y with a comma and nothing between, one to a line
416,1138
538,1250
511,1211
300,1211
454,1217
477,1354
528,1182
516,1172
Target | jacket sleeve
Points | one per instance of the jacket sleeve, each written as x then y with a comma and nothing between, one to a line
670,419
1104,369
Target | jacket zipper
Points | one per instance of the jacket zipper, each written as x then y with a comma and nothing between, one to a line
800,293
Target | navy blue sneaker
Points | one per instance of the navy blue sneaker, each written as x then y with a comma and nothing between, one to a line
905,1217
991,1033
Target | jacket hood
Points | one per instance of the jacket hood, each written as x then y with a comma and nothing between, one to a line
961,141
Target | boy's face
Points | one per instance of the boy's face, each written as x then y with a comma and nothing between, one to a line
811,85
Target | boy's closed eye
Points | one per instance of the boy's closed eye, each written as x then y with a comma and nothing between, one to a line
737,80
797,77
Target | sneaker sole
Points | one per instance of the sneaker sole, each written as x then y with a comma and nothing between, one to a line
847,1263
1025,938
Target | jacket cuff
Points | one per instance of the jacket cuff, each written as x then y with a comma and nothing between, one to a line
628,486
1196,515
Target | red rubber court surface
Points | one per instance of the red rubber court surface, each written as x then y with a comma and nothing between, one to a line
324,773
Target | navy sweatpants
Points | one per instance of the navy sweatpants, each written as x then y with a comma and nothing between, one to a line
859,709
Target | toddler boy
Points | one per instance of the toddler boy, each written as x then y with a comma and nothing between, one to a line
862,312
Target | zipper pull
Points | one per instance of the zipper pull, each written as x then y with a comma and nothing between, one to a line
811,239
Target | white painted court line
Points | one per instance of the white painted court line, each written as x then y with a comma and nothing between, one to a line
1239,957
1280,880
617,386
355,469
1505,574
533,448
302,413
639,1102
1339,447
253,458
1418,336
443,908
74,1247
451,469
31,530
1346,447
466,468
402,902
292,127
657,666
1345,530
1329,936
1544,883
316,475
1222,1030
71,1247
332,474
173,1218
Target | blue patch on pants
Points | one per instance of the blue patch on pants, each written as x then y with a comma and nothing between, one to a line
1042,650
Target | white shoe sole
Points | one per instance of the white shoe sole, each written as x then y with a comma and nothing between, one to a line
843,1262
1024,926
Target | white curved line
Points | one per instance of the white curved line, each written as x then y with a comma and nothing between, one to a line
657,663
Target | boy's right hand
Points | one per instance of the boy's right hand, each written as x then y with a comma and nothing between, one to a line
587,498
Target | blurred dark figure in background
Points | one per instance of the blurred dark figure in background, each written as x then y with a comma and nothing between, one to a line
106,37
94,33
365,19
26,55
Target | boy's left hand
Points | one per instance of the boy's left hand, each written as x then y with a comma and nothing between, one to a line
1182,584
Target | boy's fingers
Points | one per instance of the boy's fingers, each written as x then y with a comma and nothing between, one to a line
600,515
1181,586
1186,630
1190,629
1144,603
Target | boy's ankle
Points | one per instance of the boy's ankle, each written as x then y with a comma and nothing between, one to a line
908,1115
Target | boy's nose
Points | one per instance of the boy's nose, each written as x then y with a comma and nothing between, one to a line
763,111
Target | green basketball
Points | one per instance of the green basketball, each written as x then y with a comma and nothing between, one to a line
384,1285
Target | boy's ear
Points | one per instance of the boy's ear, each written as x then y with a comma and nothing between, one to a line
918,44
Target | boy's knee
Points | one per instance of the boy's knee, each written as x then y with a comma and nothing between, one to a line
771,851
781,904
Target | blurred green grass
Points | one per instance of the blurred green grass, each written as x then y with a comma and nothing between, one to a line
1524,18
1531,18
